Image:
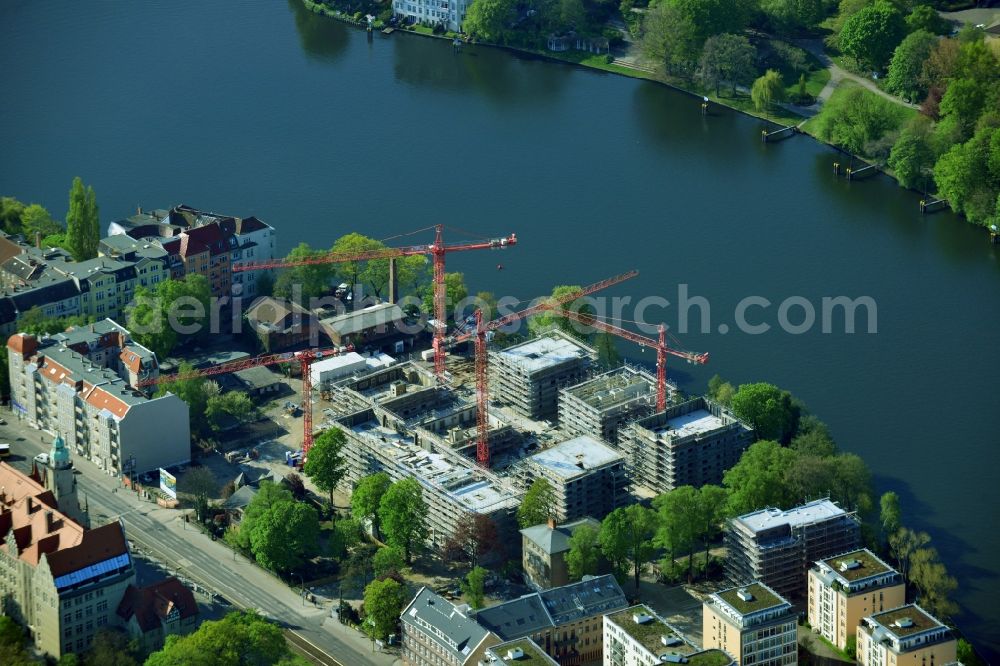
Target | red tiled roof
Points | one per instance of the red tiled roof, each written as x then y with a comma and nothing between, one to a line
152,604
23,344
29,511
101,399
96,545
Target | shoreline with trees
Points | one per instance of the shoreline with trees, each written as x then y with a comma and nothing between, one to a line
745,55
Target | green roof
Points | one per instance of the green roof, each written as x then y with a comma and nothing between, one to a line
650,633
763,598
533,655
709,658
869,565
921,621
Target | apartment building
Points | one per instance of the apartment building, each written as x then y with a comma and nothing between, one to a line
690,444
602,406
205,243
778,547
905,636
439,633
453,486
57,578
81,385
848,587
156,611
587,476
637,636
753,623
566,621
449,13
529,376
543,551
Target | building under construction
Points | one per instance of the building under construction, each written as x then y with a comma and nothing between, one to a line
602,406
587,476
529,376
454,488
690,444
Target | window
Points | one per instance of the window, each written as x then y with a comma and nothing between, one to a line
102,605
102,620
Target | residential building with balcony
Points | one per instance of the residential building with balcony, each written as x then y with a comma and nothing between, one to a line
905,636
848,587
753,623
82,385
449,13
602,406
637,636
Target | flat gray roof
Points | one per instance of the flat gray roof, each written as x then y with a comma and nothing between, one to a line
805,514
694,423
576,457
543,352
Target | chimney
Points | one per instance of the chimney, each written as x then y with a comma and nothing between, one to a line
393,280
38,239
49,523
552,523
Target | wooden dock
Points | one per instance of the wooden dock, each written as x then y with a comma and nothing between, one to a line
778,134
932,206
854,174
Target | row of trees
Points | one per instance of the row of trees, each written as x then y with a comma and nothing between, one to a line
528,24
81,234
210,410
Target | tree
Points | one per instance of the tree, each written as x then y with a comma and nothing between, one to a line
113,648
549,318
926,18
712,503
584,553
38,223
83,230
160,317
912,156
767,409
792,15
477,539
302,283
907,64
572,15
852,483
454,289
235,405
367,497
767,90
963,102
403,516
200,483
242,637
712,17
854,118
276,529
967,654
940,65
669,37
346,535
11,211
11,633
871,35
295,486
607,351
193,390
384,602
758,479
813,438
931,578
726,58
388,560
968,175
538,505
489,19
903,544
325,464
474,587
890,514
678,523
626,535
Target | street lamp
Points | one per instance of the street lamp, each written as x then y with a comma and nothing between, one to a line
303,581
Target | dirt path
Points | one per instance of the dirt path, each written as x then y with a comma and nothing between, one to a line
838,74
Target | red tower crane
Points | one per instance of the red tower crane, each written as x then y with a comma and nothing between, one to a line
437,250
482,377
305,359
660,345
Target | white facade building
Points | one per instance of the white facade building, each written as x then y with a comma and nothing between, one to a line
451,13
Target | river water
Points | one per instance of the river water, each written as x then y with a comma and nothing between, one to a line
262,108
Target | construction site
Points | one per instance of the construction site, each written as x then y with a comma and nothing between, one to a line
482,414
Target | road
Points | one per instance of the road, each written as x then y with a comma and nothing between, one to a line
191,554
